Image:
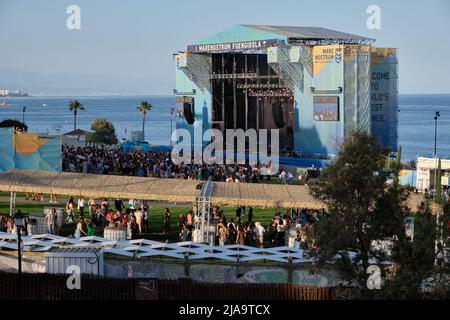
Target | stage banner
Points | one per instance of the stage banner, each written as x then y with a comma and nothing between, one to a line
384,96
303,56
357,88
328,67
29,151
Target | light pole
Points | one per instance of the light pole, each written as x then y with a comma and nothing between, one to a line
436,117
172,110
19,222
438,238
23,114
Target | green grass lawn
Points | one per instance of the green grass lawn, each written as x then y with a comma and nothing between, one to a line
155,219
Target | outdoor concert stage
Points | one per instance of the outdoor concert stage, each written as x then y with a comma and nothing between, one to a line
313,84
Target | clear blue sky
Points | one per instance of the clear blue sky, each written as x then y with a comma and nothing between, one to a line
134,40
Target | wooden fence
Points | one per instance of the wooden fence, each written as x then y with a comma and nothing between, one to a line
188,290
54,287
33,286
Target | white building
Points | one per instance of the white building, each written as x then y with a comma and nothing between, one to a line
426,172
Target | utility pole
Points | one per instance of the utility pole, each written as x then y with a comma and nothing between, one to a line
23,114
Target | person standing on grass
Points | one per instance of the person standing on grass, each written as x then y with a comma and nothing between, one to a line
105,204
272,231
133,226
80,207
139,215
145,217
91,204
259,233
250,214
222,233
90,226
189,220
184,234
250,234
9,225
290,177
231,232
51,221
52,198
238,214
166,221
70,211
181,223
118,204
240,236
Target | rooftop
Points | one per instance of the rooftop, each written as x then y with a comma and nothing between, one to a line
76,132
283,35
309,33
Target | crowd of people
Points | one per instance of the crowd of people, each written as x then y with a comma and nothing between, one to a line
133,217
115,160
298,229
7,224
91,217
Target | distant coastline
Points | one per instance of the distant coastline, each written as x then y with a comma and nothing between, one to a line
6,93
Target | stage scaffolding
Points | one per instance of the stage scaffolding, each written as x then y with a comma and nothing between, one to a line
202,222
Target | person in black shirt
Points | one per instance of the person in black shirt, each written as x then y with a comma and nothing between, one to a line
250,214
119,205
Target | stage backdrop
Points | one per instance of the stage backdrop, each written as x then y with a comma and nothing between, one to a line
29,151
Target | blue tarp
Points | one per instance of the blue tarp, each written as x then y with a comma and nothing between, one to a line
146,147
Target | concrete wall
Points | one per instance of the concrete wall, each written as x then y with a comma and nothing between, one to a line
219,272
210,272
32,263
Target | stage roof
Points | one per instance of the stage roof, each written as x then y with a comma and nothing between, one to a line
165,190
285,34
307,32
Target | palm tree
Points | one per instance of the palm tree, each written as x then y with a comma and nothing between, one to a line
75,106
143,108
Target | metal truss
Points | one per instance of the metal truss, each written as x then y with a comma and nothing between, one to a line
203,214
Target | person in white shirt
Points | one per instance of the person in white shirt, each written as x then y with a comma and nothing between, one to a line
81,204
282,176
259,232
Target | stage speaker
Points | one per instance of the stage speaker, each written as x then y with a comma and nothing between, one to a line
277,114
189,111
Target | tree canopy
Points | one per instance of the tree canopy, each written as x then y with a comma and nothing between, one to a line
103,132
12,123
367,217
